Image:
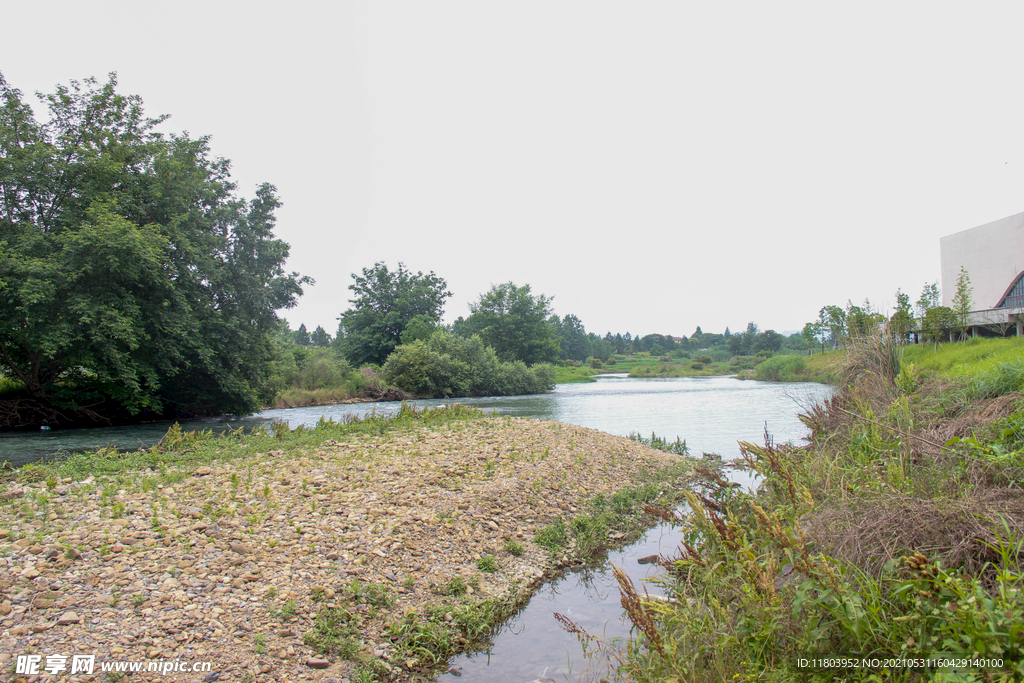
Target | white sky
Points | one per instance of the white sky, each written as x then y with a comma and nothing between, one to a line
654,166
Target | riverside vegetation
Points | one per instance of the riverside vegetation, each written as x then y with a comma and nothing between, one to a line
897,532
370,550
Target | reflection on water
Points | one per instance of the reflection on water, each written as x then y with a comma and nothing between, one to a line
532,645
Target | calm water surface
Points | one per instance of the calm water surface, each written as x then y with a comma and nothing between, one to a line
711,413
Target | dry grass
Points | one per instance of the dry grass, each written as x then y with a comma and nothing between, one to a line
886,479
957,532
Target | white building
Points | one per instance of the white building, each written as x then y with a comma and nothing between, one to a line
993,256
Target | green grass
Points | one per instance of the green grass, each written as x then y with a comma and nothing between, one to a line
983,368
958,359
514,548
683,368
568,375
606,521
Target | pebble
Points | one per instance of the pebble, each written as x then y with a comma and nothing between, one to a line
189,568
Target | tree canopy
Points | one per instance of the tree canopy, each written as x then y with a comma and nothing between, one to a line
132,276
515,324
384,304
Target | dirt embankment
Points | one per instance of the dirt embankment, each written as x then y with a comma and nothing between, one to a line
231,563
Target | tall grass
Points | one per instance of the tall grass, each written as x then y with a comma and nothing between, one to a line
956,359
1001,375
883,538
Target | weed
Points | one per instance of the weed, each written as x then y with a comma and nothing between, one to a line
285,612
367,593
553,536
513,547
334,632
259,644
455,586
487,563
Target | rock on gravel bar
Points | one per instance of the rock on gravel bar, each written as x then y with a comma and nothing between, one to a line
230,562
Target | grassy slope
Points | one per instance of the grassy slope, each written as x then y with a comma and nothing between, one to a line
896,533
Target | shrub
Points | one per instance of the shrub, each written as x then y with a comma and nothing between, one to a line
596,363
448,365
781,369
696,365
703,359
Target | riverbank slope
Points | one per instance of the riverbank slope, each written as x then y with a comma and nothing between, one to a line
372,549
896,535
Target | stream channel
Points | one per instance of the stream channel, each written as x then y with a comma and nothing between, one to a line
710,413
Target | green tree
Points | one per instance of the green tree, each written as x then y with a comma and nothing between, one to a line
832,321
862,321
301,335
515,324
929,299
132,278
963,303
815,333
938,324
320,338
901,324
602,349
572,337
384,303
769,340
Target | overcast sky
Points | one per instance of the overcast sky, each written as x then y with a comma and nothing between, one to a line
653,166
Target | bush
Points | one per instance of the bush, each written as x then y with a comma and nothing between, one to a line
596,363
696,365
448,365
703,358
781,369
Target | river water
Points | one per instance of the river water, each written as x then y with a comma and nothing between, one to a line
710,413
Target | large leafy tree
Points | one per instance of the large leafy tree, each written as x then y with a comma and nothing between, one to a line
384,304
132,278
572,337
515,324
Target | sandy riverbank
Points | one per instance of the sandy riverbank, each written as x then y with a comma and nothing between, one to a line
231,563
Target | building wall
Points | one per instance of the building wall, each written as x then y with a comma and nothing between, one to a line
992,254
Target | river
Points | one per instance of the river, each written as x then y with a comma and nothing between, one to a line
710,413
